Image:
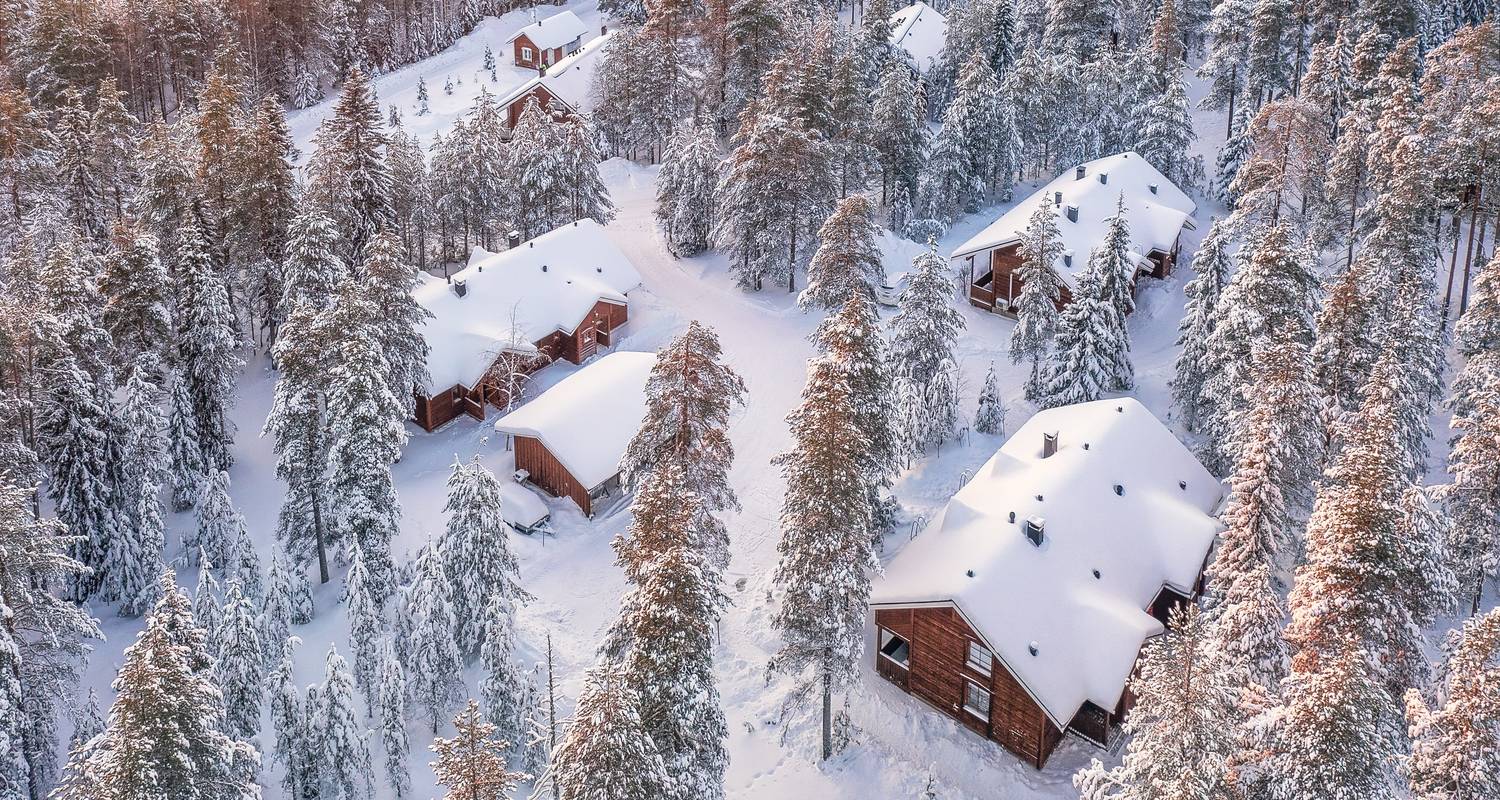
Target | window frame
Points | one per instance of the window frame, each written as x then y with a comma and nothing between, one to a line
989,697
880,643
527,54
988,668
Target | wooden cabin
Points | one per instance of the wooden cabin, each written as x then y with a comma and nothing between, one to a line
1021,610
569,441
559,297
1084,199
564,88
547,41
919,32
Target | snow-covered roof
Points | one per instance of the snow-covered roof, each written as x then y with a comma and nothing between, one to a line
1080,597
570,80
1155,217
588,418
921,31
516,297
554,31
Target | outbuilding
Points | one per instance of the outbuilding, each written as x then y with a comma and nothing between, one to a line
1021,610
560,296
547,41
569,440
1083,199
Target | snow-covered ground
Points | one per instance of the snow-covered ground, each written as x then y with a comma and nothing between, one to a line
573,575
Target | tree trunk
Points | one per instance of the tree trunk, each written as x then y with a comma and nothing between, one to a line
318,534
827,713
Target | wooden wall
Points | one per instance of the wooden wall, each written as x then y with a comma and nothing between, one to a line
1005,285
549,473
939,640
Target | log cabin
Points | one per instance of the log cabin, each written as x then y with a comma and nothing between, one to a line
547,41
1020,611
1083,198
919,32
569,441
564,89
560,296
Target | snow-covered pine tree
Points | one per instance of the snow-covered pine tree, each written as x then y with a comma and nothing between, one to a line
973,153
1037,317
1473,498
1224,68
387,285
1286,173
346,755
686,204
476,554
472,764
288,719
423,106
162,738
847,260
243,565
989,417
1165,134
1076,28
1083,364
489,62
1232,155
391,700
436,666
366,436
606,754
923,335
219,524
364,629
347,177
239,669
1110,262
187,454
34,551
583,188
1199,316
138,310
534,160
207,610
207,345
502,685
899,127
690,397
1180,745
1455,741
826,550
1273,288
288,602
88,722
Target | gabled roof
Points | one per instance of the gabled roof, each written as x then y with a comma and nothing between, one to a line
516,297
1155,217
1087,627
570,80
921,32
588,418
554,31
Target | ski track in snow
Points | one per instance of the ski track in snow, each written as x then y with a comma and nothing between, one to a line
572,574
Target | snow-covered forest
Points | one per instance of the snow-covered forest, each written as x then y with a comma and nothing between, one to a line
235,564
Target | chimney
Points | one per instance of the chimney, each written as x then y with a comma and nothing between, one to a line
541,70
1049,444
1072,211
513,239
1057,198
1033,528
603,30
1067,259
1152,187
1104,177
460,287
1078,173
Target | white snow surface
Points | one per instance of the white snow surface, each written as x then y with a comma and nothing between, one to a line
588,418
519,505
920,31
1155,218
552,32
1087,630
570,80
515,297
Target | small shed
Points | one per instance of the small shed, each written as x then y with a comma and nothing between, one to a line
920,32
569,441
1021,610
547,41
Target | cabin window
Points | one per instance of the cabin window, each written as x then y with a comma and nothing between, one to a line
979,658
525,53
894,647
976,700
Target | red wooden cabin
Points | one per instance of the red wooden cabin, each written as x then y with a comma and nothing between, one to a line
547,41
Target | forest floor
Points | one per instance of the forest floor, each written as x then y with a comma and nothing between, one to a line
572,574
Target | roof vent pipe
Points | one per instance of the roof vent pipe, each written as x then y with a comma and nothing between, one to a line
1049,444
1057,198
1072,212
1152,187
1104,177
1079,173
513,239
1033,529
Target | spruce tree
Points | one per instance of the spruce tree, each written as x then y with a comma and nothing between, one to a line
472,765
134,282
436,664
387,284
899,126
1111,264
974,152
476,553
345,756
924,333
502,686
288,602
1473,498
1084,364
364,630
288,719
391,700
1179,745
606,754
423,108
187,454
1456,734
239,669
989,417
219,524
685,190
826,550
347,174
1042,289
847,260
1199,316
207,347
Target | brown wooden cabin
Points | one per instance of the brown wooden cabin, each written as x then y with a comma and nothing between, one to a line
563,88
598,330
547,41
995,286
